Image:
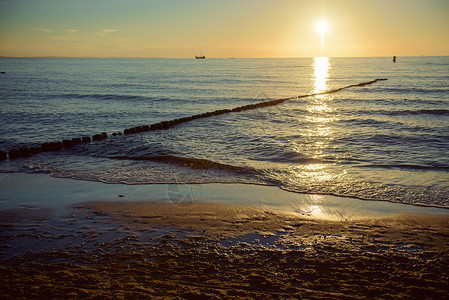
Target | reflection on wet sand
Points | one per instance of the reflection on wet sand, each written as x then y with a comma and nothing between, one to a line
210,251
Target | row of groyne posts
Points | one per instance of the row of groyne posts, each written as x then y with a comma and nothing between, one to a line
60,145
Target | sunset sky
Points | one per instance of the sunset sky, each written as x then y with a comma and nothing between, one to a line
222,28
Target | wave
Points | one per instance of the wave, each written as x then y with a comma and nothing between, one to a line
364,122
408,167
408,90
406,139
405,112
391,102
110,97
434,112
194,163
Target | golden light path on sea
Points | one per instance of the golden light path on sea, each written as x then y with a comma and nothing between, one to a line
318,133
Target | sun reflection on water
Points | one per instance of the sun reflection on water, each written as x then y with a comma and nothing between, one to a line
321,67
320,113
318,133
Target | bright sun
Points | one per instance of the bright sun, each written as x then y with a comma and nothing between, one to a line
322,27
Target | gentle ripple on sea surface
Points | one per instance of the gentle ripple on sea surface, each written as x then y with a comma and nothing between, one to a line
386,141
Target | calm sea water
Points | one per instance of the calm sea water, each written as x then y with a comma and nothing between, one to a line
385,141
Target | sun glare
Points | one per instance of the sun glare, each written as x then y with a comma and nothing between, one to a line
322,27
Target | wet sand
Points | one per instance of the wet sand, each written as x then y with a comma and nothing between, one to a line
215,250
212,251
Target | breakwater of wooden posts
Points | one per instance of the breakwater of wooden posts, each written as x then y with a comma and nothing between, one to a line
68,143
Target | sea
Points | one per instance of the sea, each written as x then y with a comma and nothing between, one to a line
387,141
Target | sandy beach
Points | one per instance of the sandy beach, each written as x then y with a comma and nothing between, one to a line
224,149
213,249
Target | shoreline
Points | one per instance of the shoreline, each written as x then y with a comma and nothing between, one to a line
214,245
42,190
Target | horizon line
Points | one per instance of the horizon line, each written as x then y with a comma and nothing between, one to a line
193,57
